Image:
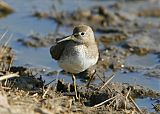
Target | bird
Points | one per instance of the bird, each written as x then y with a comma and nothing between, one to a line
77,52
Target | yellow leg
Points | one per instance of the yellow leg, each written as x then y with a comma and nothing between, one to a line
74,83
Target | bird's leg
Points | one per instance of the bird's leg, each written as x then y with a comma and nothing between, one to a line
74,83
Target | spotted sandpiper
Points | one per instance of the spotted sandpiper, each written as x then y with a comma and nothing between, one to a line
77,52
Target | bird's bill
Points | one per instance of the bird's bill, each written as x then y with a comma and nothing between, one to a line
71,37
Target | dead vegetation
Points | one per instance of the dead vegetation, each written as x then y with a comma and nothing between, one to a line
22,89
114,97
6,58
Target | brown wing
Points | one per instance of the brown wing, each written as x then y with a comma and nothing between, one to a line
57,50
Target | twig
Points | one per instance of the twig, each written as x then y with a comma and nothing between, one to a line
4,49
97,105
100,78
111,102
6,88
50,82
109,79
91,79
3,35
58,72
46,92
10,64
135,105
126,98
9,76
128,93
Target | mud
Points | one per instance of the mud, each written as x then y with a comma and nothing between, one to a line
122,29
5,9
153,72
144,43
37,40
59,98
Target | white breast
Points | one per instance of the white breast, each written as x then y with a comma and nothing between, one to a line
76,63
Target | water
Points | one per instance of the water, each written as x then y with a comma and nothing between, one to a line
21,24
148,60
138,79
146,103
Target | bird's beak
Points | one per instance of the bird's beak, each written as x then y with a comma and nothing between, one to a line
71,37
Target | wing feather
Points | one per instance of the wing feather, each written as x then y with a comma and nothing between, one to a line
57,50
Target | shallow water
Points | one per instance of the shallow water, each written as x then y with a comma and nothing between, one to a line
138,79
148,60
148,103
21,24
144,62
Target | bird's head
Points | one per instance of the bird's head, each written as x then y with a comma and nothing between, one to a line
81,34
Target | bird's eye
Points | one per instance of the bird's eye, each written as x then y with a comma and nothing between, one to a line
82,33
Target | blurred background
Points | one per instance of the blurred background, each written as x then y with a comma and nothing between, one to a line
127,33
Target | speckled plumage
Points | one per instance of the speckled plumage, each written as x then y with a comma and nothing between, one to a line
78,52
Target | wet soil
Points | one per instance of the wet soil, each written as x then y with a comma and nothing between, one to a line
28,91
127,34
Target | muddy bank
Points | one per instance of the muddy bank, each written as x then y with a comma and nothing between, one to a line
36,40
122,30
59,98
